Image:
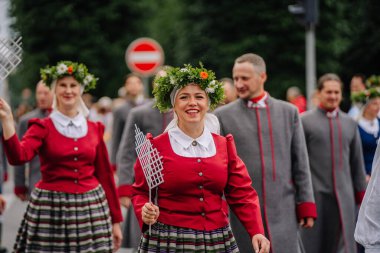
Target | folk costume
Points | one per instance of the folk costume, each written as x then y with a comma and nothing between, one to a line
336,163
369,134
369,128
73,206
200,175
190,199
149,120
25,184
270,141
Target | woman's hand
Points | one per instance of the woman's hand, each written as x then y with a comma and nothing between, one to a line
116,236
6,118
260,243
2,204
150,213
307,222
5,110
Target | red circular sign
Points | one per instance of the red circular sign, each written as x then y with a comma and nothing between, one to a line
144,56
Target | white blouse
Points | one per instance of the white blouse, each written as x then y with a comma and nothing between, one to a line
70,127
184,145
370,126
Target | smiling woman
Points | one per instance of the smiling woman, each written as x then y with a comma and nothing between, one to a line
74,207
199,167
190,106
67,92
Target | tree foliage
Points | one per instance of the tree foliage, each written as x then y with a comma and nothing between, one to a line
213,32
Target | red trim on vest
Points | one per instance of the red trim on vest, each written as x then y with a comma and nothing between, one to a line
325,109
334,180
258,98
271,142
340,143
306,210
20,190
263,172
359,197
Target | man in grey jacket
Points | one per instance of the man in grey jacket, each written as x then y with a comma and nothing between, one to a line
24,184
269,139
134,96
337,169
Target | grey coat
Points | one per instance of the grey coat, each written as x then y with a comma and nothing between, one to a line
149,120
338,176
279,168
34,174
120,115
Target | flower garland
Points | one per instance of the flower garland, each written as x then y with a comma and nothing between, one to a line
372,91
176,78
68,68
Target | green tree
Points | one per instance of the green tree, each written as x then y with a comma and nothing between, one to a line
96,33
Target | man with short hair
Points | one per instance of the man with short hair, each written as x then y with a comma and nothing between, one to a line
134,89
337,169
44,100
269,139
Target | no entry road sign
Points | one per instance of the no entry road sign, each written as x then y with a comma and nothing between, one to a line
144,56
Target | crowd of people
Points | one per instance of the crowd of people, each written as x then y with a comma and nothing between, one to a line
242,170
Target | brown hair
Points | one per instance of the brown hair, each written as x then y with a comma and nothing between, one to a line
256,60
328,77
126,77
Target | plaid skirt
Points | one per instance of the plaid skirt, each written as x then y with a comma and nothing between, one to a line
65,222
168,239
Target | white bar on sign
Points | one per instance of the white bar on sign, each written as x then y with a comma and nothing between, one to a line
145,57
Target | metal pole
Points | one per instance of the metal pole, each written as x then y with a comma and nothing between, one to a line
146,86
310,63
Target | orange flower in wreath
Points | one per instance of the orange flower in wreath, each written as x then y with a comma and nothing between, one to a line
70,70
203,75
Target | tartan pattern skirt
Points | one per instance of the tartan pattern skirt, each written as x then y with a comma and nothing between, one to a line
65,222
168,239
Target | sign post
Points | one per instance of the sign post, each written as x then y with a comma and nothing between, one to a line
144,56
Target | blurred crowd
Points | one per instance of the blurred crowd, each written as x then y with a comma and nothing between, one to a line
119,115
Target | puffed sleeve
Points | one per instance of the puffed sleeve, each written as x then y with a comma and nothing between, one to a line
104,174
20,152
140,192
240,195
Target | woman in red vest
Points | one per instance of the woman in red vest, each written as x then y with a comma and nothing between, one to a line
201,173
74,207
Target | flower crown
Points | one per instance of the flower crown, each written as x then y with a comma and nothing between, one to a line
372,91
68,68
177,78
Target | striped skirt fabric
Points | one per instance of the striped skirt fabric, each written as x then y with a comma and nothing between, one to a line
65,222
168,239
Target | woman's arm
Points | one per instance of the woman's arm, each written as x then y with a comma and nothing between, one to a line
6,120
